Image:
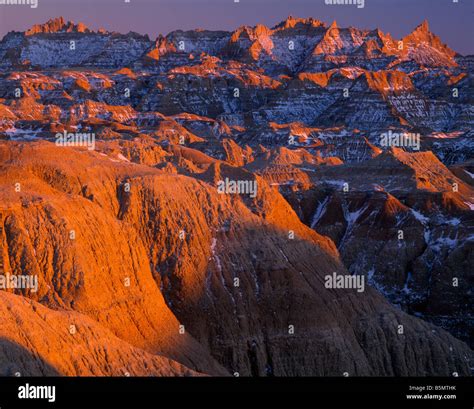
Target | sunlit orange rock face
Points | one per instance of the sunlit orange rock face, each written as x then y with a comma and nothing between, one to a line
57,25
226,177
389,82
55,343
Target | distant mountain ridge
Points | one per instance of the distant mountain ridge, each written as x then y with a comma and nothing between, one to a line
307,42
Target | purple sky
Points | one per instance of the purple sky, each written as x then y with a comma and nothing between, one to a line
451,21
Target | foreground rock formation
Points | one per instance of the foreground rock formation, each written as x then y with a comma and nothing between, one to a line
180,246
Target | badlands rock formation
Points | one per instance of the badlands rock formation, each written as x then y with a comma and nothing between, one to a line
146,267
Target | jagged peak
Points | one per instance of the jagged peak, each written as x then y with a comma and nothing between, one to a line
422,35
423,27
422,31
333,25
331,41
291,22
58,25
379,32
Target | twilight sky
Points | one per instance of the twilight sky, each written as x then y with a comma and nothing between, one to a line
451,21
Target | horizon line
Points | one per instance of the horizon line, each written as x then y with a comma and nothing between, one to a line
272,27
